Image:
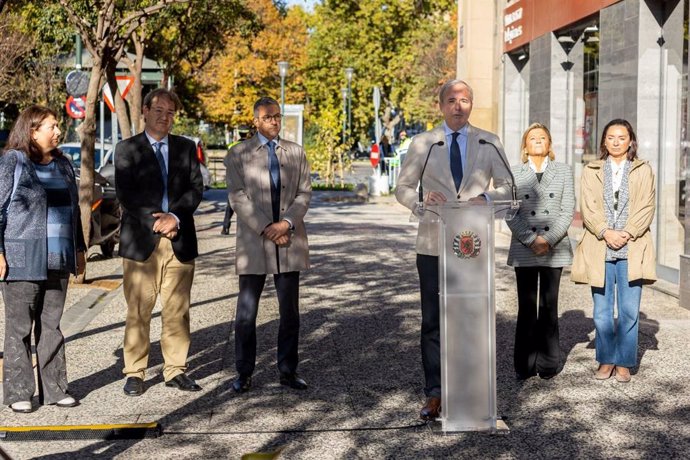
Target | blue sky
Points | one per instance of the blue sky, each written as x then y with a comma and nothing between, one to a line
306,4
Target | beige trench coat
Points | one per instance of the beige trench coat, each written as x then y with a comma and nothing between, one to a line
484,168
590,254
249,191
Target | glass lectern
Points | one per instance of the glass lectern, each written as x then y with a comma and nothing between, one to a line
468,316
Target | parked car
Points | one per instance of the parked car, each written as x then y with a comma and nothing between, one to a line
107,170
105,216
73,151
105,209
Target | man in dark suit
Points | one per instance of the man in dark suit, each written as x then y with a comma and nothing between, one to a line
270,189
159,185
463,164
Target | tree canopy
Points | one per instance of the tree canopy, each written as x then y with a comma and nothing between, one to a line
222,55
247,68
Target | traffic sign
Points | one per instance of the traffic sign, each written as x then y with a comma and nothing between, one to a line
76,107
124,83
77,83
374,156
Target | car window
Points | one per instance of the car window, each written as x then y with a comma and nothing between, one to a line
74,153
109,157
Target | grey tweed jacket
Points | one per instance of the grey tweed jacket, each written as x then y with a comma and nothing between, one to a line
546,210
23,223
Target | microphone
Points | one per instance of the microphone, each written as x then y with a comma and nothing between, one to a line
514,204
421,176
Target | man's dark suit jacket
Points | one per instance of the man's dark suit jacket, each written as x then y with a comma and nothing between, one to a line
139,186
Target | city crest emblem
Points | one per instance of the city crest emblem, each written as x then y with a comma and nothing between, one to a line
467,245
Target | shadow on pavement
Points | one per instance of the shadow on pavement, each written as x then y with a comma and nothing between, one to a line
360,354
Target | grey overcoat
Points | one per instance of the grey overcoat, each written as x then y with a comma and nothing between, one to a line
249,191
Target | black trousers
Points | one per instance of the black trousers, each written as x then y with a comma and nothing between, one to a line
251,287
427,267
36,305
536,336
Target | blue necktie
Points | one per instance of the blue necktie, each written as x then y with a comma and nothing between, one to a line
273,165
157,147
456,161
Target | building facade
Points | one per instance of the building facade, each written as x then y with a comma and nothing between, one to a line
575,65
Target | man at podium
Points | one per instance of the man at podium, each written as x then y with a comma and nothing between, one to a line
454,161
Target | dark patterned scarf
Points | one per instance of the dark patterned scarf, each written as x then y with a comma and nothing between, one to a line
616,202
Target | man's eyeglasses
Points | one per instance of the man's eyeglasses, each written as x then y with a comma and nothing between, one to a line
268,118
615,200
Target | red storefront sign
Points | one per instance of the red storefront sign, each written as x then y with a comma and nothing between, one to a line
525,20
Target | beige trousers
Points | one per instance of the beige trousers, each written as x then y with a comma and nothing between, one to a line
161,274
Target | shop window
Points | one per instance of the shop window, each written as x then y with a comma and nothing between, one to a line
590,39
684,157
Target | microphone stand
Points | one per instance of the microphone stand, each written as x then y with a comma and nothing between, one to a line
420,205
514,204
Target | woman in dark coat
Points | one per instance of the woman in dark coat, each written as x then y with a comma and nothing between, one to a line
41,243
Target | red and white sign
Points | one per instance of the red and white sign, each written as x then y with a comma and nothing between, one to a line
124,83
374,156
76,107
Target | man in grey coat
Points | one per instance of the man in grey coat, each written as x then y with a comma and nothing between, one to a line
269,187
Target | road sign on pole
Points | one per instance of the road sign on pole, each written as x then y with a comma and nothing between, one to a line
374,156
124,83
77,83
76,107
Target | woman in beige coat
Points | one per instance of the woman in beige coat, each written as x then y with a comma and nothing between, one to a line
616,250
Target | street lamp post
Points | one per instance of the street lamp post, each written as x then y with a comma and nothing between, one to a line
282,70
349,72
344,92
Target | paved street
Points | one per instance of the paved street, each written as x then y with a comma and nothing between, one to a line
360,355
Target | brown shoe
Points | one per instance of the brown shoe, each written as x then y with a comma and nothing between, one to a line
622,374
605,371
431,410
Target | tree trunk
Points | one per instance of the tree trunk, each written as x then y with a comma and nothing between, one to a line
340,169
88,142
330,174
120,107
134,97
135,102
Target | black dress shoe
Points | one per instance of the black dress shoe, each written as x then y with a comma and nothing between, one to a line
134,386
224,231
183,382
548,375
293,381
242,383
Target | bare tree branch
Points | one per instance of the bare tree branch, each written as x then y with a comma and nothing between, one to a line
132,21
15,47
83,26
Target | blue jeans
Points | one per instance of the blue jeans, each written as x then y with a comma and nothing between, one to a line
616,343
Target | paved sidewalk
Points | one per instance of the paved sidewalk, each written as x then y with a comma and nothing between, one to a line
360,355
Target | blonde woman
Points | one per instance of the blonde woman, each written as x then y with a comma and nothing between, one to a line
539,249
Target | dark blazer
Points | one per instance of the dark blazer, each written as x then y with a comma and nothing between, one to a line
139,186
